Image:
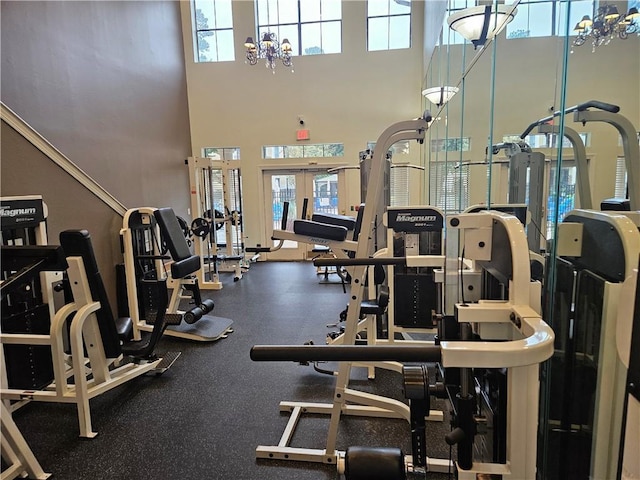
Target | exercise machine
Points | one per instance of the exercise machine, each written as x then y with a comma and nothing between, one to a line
216,207
596,111
24,222
16,453
155,248
628,343
99,358
526,186
489,353
585,384
414,298
324,230
348,401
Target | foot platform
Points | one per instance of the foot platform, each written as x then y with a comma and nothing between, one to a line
168,359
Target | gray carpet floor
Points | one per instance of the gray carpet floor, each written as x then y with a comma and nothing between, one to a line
203,418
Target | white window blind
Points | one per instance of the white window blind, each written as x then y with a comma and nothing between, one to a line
400,186
449,186
621,178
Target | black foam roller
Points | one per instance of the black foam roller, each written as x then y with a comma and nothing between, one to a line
207,305
193,315
367,463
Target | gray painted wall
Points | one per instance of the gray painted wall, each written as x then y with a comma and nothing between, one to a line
27,171
104,82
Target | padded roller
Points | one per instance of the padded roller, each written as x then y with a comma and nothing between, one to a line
320,230
193,315
207,305
368,463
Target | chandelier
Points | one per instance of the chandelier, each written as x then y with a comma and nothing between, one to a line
607,24
269,49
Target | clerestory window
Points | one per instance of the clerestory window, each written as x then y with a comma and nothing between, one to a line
313,27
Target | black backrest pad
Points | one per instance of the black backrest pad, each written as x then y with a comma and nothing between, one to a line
172,233
185,263
77,243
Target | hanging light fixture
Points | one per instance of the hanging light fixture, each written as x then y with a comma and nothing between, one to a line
439,95
269,49
482,23
606,25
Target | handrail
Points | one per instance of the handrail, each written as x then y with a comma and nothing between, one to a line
37,140
606,107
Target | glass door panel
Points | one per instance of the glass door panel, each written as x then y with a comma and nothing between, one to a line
318,186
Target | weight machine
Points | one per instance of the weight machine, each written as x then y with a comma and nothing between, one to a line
585,384
526,186
489,353
596,111
415,299
325,230
349,401
24,222
82,350
216,206
148,235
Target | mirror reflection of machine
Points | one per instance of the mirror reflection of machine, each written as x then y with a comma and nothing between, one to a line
583,386
595,111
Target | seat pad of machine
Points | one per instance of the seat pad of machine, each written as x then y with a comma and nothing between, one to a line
320,230
335,219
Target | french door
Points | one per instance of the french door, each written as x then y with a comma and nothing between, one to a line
319,186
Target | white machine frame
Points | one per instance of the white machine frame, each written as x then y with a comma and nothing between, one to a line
228,261
360,403
104,373
612,370
178,286
514,337
20,460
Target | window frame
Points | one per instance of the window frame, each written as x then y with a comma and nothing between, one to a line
213,31
556,19
311,148
224,153
388,17
297,43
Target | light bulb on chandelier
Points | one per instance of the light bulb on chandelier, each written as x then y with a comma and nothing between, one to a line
270,50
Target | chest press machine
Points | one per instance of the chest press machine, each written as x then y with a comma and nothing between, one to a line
148,234
489,349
